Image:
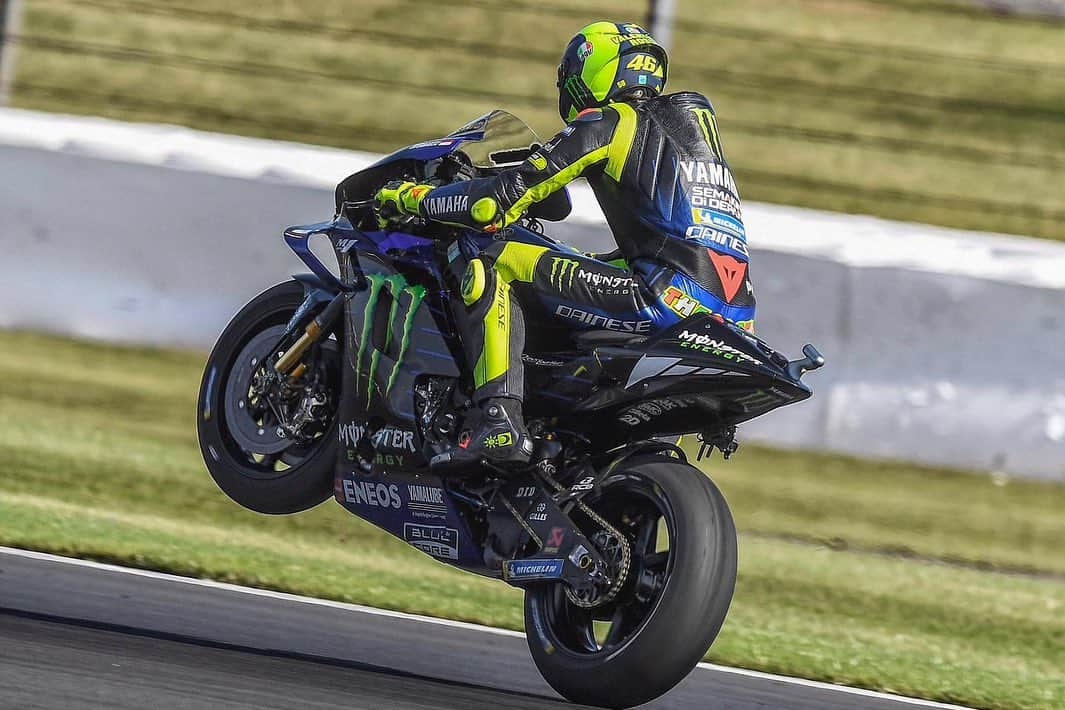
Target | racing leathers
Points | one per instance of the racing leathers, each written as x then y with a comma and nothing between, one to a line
659,173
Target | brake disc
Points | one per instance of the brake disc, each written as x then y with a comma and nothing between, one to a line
247,429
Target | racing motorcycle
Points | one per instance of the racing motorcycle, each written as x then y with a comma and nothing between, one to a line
349,384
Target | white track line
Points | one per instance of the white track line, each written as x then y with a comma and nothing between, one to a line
360,609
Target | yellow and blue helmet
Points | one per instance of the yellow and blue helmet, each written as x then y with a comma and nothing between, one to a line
605,61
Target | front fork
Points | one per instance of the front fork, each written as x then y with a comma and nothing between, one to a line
289,363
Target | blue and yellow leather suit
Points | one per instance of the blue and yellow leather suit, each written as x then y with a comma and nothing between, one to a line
658,170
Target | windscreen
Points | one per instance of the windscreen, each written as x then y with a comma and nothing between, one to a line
497,140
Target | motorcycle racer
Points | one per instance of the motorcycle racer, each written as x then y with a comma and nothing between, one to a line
657,168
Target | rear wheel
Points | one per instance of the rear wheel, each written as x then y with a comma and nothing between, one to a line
669,609
269,443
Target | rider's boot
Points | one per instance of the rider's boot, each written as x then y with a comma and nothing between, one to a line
499,437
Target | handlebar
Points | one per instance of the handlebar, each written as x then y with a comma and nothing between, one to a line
358,204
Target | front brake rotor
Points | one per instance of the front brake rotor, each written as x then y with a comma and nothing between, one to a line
245,419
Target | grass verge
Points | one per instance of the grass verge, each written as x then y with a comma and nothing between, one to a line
99,460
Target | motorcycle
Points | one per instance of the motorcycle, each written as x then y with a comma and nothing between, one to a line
350,384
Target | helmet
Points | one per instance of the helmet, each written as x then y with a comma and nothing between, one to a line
605,61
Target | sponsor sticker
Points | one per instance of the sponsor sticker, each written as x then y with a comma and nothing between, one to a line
718,221
533,569
554,540
564,271
426,501
540,514
376,495
595,320
708,173
708,344
447,205
435,540
644,412
390,443
585,484
711,237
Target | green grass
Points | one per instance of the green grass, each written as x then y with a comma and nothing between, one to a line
917,110
99,459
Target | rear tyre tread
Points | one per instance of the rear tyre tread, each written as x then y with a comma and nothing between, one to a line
688,615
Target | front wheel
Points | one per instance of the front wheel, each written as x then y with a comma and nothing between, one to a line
269,442
669,609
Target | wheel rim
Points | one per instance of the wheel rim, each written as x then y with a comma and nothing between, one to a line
645,517
251,429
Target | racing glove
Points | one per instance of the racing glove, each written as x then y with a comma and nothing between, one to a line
397,199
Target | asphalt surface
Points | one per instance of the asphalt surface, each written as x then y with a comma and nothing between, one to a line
75,636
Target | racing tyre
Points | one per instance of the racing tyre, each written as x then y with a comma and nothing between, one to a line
670,606
239,420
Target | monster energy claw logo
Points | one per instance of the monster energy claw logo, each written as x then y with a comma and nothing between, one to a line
708,124
562,271
573,86
397,288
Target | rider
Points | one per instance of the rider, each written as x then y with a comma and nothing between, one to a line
656,166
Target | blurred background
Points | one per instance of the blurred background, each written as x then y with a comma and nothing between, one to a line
960,110
903,169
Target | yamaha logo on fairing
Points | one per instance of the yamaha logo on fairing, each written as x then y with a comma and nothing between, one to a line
447,205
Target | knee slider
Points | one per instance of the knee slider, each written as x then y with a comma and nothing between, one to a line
474,282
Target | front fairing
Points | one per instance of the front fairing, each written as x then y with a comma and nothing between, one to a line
492,142
429,150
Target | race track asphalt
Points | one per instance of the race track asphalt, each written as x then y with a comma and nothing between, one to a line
79,635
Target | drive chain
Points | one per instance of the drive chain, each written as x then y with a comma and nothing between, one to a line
626,554
521,520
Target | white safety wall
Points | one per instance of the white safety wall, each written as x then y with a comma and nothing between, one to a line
943,346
